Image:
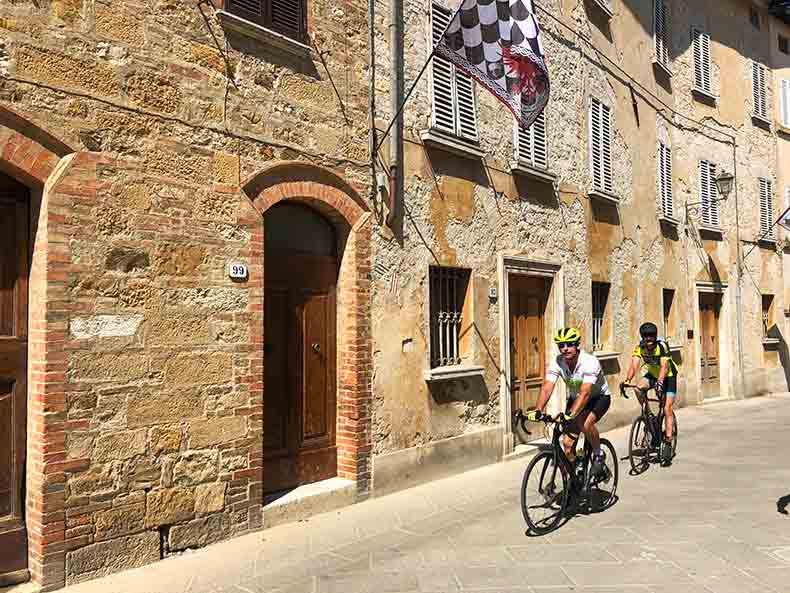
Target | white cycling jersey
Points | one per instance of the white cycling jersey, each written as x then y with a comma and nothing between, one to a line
588,370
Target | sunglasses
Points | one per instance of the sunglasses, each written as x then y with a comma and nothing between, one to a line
565,345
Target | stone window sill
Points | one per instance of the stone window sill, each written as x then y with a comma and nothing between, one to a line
606,354
711,229
768,241
522,168
782,129
675,348
250,29
604,196
449,373
762,120
669,220
453,144
703,93
663,67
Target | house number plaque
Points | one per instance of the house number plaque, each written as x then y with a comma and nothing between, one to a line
238,270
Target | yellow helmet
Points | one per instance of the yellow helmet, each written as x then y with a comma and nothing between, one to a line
567,335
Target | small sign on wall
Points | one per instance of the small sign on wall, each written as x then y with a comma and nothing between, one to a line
238,270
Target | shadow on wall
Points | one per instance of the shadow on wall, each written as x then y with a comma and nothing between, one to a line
466,390
780,348
537,191
782,503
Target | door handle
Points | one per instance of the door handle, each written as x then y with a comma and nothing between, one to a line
316,347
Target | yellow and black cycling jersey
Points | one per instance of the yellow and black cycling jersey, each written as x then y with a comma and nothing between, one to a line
652,360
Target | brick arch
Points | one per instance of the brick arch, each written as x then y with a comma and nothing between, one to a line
333,197
28,153
316,186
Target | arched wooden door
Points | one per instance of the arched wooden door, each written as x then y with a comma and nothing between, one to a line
14,235
299,400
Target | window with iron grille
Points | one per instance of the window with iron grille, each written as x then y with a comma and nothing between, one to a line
759,93
784,46
661,32
708,193
668,298
448,293
784,98
665,180
288,17
531,146
454,109
768,312
702,77
766,191
601,146
600,296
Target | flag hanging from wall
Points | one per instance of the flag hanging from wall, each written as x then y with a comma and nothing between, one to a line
497,42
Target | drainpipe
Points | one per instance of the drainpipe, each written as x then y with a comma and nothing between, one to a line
396,99
373,137
741,383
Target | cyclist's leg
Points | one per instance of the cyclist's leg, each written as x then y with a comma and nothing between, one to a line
670,388
644,384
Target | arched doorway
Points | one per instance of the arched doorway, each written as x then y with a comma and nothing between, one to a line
14,250
300,282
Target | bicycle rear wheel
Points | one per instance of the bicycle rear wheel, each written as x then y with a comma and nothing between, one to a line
639,446
602,489
544,493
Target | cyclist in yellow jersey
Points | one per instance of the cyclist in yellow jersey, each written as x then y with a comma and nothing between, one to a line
661,370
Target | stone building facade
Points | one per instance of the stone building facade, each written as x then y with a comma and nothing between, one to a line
209,294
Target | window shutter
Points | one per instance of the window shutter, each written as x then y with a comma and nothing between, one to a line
759,95
701,60
601,145
467,112
785,100
443,103
766,205
288,17
252,10
665,180
708,193
661,32
531,144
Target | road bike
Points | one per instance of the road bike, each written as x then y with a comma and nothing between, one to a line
552,482
646,441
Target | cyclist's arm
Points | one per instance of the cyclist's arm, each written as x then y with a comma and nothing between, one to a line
545,393
635,361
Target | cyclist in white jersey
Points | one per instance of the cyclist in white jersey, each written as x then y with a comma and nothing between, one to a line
588,393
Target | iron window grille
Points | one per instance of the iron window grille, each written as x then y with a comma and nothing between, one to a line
600,296
702,76
448,288
288,17
531,143
665,180
759,90
766,191
454,108
708,194
601,146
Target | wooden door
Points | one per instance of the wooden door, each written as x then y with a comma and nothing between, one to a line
709,309
299,365
527,302
13,378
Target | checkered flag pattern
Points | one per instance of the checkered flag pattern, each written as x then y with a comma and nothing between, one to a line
497,42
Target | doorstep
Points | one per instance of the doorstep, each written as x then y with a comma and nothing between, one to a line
306,501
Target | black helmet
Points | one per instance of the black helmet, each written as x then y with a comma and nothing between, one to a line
648,329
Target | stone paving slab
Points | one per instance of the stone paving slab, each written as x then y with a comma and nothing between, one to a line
707,524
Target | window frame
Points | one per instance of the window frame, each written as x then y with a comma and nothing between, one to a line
605,165
661,34
784,101
448,349
664,180
455,76
767,313
599,318
266,18
707,169
759,91
667,313
702,70
527,155
765,193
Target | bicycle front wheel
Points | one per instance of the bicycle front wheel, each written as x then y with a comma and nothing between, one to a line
639,446
544,493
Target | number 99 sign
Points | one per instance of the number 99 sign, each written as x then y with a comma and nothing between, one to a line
238,271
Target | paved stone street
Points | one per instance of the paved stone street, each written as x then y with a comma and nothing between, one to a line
708,523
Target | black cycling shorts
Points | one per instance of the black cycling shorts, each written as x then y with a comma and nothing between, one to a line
598,405
670,383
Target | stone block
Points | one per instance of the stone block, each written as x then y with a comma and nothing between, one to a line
134,196
162,439
127,260
183,165
112,22
79,444
95,480
179,260
165,328
152,91
223,300
147,408
118,367
119,522
198,533
210,498
229,332
67,10
104,326
226,168
105,558
215,206
167,506
207,56
66,71
197,369
117,446
209,432
196,467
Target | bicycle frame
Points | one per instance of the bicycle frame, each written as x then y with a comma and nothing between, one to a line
647,413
